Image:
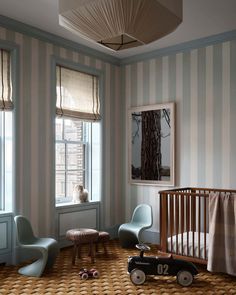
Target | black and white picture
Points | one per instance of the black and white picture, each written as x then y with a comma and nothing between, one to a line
152,144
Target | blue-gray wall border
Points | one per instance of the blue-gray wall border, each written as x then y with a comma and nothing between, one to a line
34,32
59,41
182,47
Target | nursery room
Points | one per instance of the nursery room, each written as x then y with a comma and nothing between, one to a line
117,150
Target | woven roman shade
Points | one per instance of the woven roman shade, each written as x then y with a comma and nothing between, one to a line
5,81
77,95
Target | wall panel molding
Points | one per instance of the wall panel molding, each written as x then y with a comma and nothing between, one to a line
85,215
6,234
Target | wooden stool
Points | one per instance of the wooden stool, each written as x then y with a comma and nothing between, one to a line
81,236
103,238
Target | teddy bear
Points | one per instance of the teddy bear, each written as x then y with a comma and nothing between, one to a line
80,195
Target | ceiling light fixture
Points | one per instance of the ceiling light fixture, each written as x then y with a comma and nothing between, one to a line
121,24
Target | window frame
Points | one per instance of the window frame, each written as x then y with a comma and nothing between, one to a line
3,162
14,62
86,173
55,60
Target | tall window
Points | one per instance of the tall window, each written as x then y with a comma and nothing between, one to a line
78,153
6,107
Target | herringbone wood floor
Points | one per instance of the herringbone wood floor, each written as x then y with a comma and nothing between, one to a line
63,278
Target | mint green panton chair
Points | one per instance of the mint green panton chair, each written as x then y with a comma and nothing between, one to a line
47,247
130,233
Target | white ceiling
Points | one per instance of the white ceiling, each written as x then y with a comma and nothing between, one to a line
201,18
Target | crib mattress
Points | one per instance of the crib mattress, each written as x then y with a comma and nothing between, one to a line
190,244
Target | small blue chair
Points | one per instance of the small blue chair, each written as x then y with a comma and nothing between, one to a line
130,233
48,248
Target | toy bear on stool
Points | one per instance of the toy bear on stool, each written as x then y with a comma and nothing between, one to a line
80,195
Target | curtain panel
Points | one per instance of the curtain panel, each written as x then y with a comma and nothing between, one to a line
5,81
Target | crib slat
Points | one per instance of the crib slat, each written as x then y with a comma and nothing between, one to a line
193,209
177,221
171,223
199,225
182,224
164,220
187,222
205,228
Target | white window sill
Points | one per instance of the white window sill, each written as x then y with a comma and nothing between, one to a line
70,204
7,212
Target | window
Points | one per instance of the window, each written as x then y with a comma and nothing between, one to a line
6,160
78,135
6,133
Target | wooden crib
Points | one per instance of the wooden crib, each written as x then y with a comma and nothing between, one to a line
184,222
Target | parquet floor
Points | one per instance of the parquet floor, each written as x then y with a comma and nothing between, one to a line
63,278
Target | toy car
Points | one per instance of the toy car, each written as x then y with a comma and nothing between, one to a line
140,266
85,273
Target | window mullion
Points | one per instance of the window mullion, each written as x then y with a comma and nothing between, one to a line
1,161
85,157
3,177
66,169
63,129
91,160
65,143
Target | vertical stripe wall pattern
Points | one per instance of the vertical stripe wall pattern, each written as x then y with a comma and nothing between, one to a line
34,169
202,83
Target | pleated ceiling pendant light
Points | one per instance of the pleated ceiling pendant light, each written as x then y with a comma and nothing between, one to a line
121,24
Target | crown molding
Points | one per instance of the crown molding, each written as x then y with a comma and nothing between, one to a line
182,47
59,41
34,32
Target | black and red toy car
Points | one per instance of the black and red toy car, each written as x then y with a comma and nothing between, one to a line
88,273
140,266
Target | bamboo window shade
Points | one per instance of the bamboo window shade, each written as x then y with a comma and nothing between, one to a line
5,81
77,95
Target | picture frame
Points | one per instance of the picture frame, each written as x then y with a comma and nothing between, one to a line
152,145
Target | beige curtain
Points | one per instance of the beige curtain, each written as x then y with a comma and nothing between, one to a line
77,95
222,233
5,81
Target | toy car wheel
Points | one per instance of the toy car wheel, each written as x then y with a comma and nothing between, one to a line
137,276
84,276
184,278
95,274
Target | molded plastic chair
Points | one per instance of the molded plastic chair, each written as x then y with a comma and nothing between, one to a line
47,246
130,233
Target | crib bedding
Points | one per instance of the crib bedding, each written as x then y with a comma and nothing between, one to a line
188,247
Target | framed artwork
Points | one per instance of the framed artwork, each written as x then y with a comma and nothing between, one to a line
152,144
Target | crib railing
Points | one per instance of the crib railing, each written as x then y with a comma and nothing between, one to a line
185,222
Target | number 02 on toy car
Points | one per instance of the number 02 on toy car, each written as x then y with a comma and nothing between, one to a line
140,266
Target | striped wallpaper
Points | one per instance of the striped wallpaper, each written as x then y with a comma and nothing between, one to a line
202,83
35,113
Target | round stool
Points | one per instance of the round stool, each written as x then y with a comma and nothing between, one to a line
103,238
81,236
